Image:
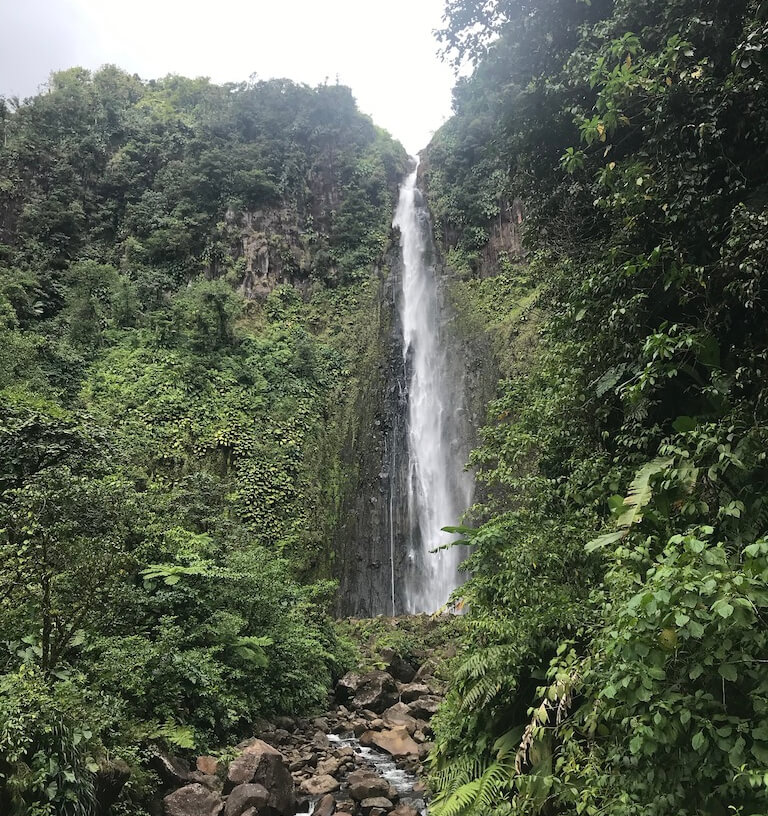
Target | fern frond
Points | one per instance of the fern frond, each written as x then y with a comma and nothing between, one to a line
638,497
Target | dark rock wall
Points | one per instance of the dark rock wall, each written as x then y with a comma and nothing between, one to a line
374,512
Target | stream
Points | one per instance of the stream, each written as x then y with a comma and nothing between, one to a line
402,781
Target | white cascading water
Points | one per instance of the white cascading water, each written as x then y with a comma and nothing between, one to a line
440,490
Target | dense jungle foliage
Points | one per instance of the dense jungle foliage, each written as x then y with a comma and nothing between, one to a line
171,448
617,626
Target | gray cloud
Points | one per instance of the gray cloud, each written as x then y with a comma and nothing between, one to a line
383,50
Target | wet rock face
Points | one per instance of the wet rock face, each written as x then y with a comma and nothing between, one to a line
375,507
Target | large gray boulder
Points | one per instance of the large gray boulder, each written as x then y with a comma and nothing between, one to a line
412,691
398,666
171,770
261,763
347,687
399,715
366,784
319,785
325,807
193,800
396,742
376,691
424,707
244,797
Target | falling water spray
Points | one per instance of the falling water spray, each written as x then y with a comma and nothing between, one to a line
439,488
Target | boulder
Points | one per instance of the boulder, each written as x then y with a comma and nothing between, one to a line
172,771
319,785
325,807
376,691
366,784
424,707
411,691
213,783
398,714
346,688
329,766
366,739
207,765
396,742
193,800
400,668
244,797
109,781
375,802
405,810
320,740
425,672
260,762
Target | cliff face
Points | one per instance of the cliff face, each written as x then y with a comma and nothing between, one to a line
373,522
288,243
375,527
485,241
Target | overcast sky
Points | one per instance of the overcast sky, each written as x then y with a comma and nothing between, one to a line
384,50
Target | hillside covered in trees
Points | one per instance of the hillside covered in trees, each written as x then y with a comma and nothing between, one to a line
615,661
187,273
193,340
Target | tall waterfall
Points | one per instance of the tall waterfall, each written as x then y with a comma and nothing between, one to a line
439,489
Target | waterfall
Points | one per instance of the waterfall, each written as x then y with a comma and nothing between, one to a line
439,489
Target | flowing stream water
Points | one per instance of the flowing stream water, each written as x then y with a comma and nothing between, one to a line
439,488
402,781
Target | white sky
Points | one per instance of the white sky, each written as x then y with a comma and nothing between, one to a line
383,49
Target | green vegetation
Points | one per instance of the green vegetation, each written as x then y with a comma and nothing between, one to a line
614,661
170,447
417,639
189,317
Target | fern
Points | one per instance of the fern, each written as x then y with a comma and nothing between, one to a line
472,787
639,496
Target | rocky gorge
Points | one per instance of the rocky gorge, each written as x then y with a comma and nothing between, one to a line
364,756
